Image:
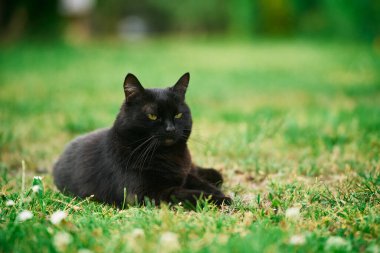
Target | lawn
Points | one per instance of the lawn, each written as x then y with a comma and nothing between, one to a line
293,125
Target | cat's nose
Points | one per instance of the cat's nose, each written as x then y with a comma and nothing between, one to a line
170,128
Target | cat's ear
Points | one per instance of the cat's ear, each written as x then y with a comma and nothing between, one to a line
132,87
181,86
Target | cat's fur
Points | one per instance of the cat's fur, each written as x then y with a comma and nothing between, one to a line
139,158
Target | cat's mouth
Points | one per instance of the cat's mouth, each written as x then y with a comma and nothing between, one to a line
169,141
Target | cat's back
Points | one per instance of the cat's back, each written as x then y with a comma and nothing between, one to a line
78,156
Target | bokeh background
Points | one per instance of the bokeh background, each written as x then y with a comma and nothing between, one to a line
354,20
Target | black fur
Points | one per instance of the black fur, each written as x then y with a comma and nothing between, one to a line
141,157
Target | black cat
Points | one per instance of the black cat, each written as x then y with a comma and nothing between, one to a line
144,155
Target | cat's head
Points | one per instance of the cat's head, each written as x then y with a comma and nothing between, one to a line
158,113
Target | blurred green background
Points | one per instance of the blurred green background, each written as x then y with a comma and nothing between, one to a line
356,19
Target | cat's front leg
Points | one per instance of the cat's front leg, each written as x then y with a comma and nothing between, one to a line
210,175
195,182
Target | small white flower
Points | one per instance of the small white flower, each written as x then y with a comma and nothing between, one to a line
62,239
337,242
169,240
57,217
10,203
138,233
84,251
297,240
37,177
36,188
292,213
24,215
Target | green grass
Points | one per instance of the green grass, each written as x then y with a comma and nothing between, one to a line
288,123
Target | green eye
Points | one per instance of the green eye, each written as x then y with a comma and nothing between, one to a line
178,116
152,116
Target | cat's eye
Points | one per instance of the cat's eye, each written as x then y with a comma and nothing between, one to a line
152,116
178,116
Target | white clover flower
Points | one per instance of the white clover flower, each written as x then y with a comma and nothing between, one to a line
24,215
138,233
337,242
10,203
292,213
62,239
169,241
36,188
57,217
297,240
